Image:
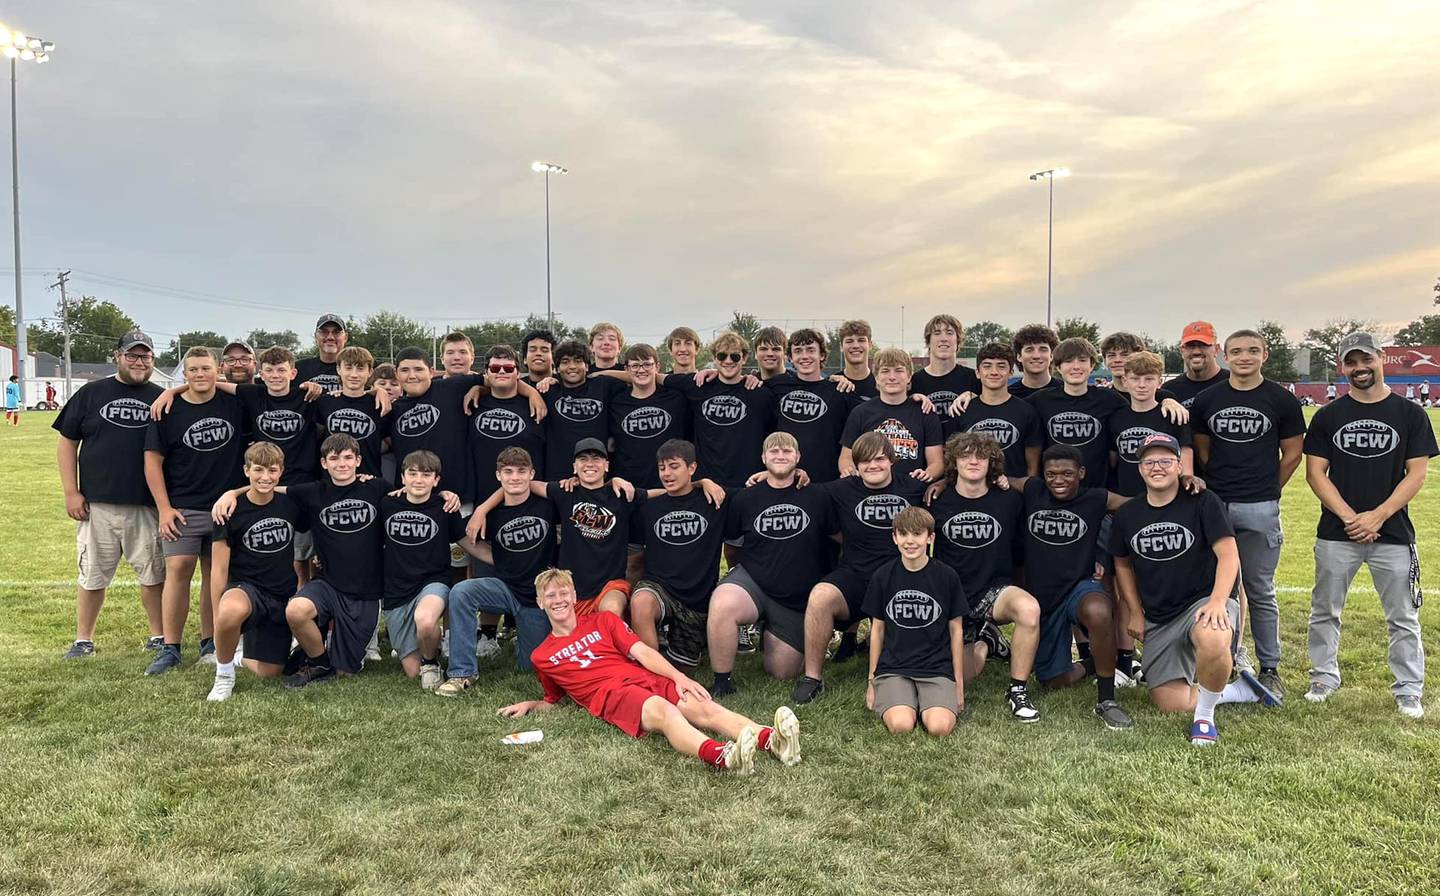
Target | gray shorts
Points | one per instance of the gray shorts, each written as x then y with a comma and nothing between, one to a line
304,546
1169,654
400,622
195,534
919,694
781,621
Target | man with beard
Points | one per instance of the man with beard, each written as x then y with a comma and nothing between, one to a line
330,338
101,455
1198,346
237,362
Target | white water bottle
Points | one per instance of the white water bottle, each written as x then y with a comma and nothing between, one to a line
520,738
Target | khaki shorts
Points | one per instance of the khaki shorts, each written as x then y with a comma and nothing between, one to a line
919,694
113,530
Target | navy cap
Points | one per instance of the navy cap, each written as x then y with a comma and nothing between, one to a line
1160,440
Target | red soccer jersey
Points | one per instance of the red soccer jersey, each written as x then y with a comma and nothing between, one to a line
589,663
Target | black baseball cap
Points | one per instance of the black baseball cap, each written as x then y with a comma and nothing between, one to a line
330,319
1160,440
134,338
586,446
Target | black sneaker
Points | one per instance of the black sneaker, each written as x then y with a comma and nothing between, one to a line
745,643
154,643
994,639
849,649
723,689
309,675
807,689
294,663
1113,715
169,658
1021,707
79,650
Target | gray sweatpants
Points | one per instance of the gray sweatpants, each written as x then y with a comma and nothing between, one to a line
1336,563
1258,537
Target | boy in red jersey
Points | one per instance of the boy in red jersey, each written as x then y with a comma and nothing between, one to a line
598,662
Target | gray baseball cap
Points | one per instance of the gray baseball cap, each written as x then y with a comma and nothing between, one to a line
335,319
134,338
1359,340
238,343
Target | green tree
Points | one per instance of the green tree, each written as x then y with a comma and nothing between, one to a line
186,341
984,332
1281,364
745,326
1078,326
7,324
1422,331
386,332
263,339
1169,352
1324,342
95,326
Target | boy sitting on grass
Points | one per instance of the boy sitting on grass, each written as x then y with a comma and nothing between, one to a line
917,633
597,661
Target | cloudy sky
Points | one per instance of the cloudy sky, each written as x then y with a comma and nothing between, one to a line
248,164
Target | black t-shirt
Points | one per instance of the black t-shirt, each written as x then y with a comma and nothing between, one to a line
1185,390
575,413
417,546
904,425
943,390
1014,424
1020,390
1080,421
786,538
1367,445
729,423
325,374
1128,430
980,538
262,543
640,426
358,417
864,516
289,422
682,545
349,538
202,446
1060,540
1245,430
522,540
815,414
865,388
110,419
436,422
1171,550
594,534
501,423
916,608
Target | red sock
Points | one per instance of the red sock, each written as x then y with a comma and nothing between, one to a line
712,752
763,741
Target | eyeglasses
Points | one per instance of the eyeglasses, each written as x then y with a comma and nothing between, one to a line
243,359
137,358
640,365
502,368
1159,463
733,357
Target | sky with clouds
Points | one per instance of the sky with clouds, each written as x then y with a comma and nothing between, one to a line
251,164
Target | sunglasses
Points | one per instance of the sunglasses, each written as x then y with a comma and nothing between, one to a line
733,357
502,368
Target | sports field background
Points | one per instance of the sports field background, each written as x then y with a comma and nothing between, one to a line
113,782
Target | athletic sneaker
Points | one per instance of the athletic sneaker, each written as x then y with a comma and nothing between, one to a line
486,647
1242,660
372,653
431,676
785,737
1410,706
154,643
1271,680
747,639
994,639
1319,692
295,662
739,755
1113,715
79,650
1203,733
454,687
806,689
1021,707
168,659
723,689
207,652
309,675
1268,698
1123,680
223,687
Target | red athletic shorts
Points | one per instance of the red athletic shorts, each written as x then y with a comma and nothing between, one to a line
592,605
622,707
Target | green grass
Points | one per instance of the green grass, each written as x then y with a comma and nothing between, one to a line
118,783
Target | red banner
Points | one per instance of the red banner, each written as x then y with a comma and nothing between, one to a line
1413,360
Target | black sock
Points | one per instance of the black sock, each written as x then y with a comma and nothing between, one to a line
1125,660
1269,670
487,631
848,638
321,661
1104,687
722,678
1017,684
175,645
1083,648
429,661
1088,663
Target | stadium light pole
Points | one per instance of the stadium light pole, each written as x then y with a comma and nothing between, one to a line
547,169
18,46
1050,174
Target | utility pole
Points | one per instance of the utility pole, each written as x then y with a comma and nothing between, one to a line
60,279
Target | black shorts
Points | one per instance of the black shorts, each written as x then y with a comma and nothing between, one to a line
785,623
354,620
852,586
266,633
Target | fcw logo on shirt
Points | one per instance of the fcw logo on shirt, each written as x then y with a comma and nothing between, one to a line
1002,431
723,410
1239,424
802,406
1057,527
645,423
208,434
1366,438
878,511
971,529
269,536
417,420
1162,541
131,413
499,423
348,515
411,527
524,533
912,609
680,527
351,422
279,426
1074,428
781,521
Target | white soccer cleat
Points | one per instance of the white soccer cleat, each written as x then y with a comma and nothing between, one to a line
785,737
740,753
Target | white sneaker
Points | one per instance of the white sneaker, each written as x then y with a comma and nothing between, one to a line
1124,681
445,643
1319,692
372,654
206,659
1410,706
785,737
486,647
431,676
740,753
222,689
239,655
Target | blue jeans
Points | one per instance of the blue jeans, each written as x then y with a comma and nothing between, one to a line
1258,537
491,595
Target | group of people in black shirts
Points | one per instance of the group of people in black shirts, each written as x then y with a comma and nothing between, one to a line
943,504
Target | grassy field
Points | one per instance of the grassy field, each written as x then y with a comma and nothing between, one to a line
115,783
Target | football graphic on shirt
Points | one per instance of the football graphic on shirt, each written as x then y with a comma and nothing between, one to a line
499,423
802,406
411,527
417,421
723,410
578,409
1057,527
592,520
781,521
351,422
208,434
1162,541
1238,424
348,515
327,381
279,425
1128,443
1002,431
131,413
912,609
269,536
942,399
879,511
1366,438
1074,428
680,527
906,446
524,533
971,530
645,423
